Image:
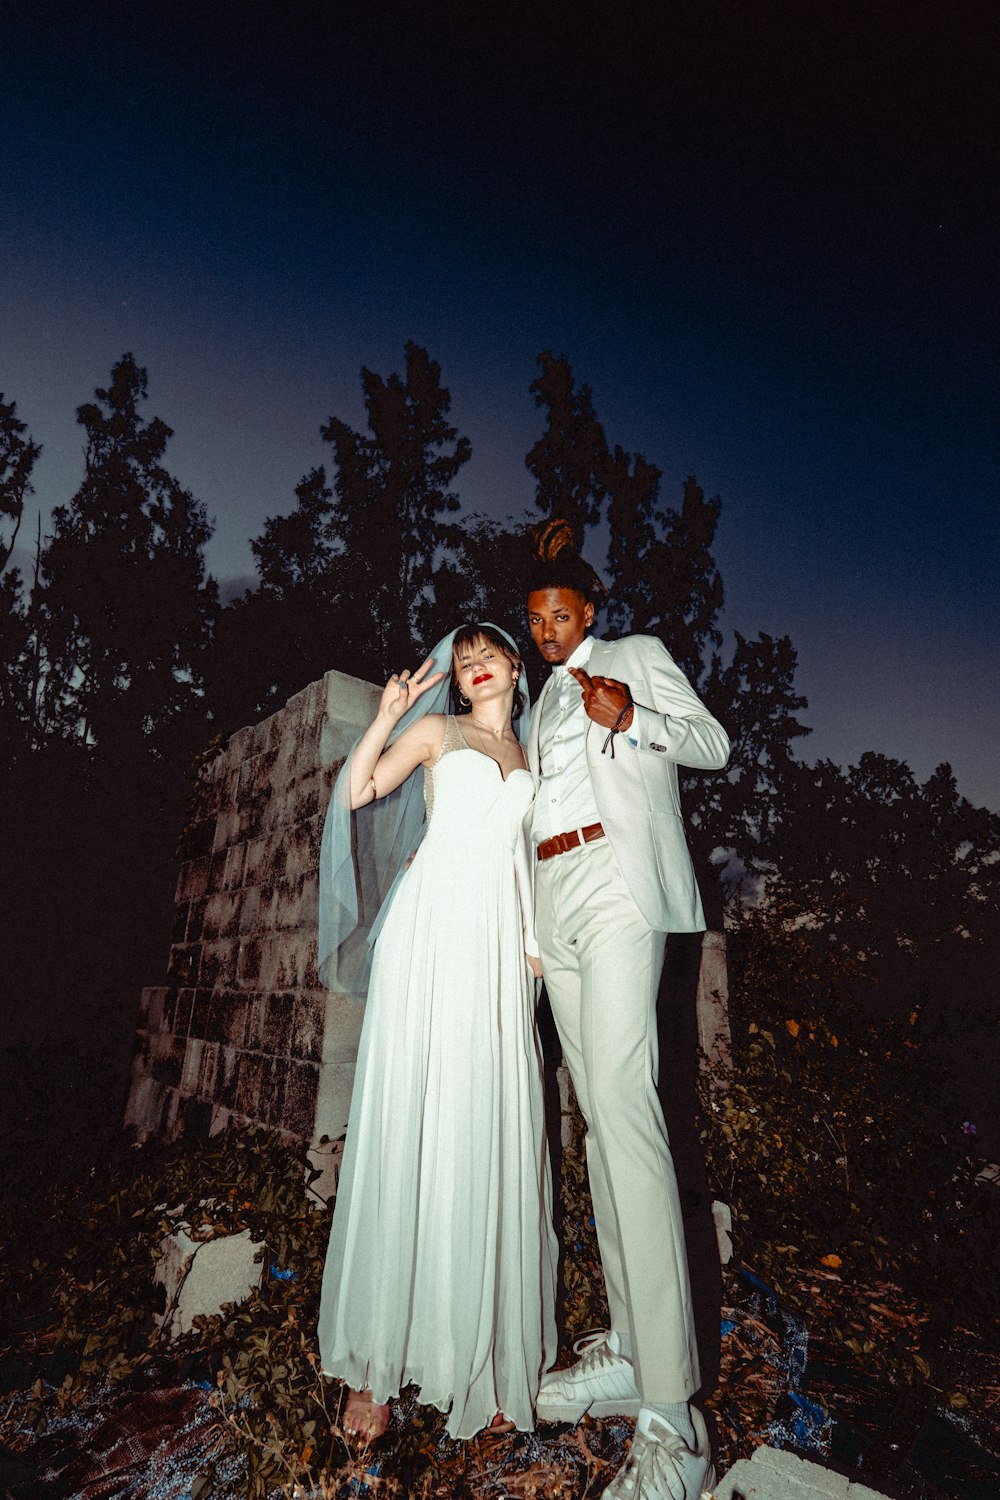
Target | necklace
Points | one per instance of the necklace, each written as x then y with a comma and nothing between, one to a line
484,743
498,734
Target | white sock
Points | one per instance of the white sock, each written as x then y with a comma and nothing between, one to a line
678,1414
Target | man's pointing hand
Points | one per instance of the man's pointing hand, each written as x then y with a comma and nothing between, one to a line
604,699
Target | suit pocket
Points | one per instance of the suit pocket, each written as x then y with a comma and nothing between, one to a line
662,793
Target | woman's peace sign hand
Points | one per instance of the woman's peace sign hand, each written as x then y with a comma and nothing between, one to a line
404,688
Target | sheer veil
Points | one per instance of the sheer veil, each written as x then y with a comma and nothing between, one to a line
366,852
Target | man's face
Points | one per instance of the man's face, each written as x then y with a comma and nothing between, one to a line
559,619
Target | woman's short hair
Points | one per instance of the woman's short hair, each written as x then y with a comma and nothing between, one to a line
469,635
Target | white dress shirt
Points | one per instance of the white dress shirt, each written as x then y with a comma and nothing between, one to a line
565,798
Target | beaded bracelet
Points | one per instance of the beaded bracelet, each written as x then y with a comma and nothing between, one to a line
616,729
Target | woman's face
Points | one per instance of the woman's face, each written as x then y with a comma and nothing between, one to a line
483,671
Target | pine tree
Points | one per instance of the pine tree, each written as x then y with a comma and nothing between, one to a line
664,580
18,654
393,492
570,460
126,602
18,456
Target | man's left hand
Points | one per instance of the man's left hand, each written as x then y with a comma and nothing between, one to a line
603,699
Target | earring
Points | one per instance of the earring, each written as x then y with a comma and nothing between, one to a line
463,700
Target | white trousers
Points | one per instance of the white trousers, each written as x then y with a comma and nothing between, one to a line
602,965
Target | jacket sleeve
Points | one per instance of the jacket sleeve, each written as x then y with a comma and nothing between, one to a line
675,723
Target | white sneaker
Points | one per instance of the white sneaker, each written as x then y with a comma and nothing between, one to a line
601,1383
661,1466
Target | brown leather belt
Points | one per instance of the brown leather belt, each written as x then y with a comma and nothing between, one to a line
562,843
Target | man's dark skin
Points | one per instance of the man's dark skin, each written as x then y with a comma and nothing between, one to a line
559,619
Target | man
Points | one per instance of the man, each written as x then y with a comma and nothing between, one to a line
612,877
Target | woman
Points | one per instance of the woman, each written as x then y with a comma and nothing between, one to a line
441,1264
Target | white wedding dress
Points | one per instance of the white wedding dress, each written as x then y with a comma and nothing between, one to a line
442,1258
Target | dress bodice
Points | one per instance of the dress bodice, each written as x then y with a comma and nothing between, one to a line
468,799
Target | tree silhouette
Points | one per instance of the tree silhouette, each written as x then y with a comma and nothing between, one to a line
754,697
18,455
393,490
664,579
898,870
127,604
18,656
350,577
570,460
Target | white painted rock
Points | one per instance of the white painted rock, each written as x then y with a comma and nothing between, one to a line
200,1275
774,1475
723,1219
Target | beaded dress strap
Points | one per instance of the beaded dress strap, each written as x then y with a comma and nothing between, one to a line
453,739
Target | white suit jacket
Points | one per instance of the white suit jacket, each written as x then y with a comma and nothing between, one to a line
636,791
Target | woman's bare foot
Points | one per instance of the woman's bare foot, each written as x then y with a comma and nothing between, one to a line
363,1418
500,1424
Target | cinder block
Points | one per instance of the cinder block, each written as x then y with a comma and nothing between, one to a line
226,1076
273,974
341,1031
217,871
142,1106
214,917
333,1099
298,1107
307,798
192,1065
196,918
256,1018
218,964
182,1013
182,966
235,858
234,1014
249,1082
167,1059
151,1007
274,1076
308,1023
179,931
234,916
349,709
228,829
290,910
201,1015
278,1023
249,910
248,961
309,975
193,878
298,849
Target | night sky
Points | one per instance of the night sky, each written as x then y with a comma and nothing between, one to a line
764,234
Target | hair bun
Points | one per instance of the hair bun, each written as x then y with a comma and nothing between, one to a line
552,537
558,563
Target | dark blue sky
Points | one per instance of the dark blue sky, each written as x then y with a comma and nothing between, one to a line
764,234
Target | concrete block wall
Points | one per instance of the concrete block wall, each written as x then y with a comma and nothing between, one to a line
242,1028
